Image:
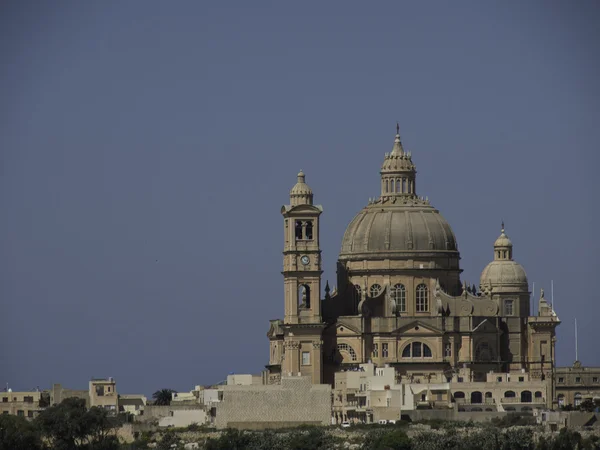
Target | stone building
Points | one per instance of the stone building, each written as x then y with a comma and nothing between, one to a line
399,298
24,404
577,384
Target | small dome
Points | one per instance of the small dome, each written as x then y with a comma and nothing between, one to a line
503,240
301,193
504,273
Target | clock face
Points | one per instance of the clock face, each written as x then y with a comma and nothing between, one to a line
305,260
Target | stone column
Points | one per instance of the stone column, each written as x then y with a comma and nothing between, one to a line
317,362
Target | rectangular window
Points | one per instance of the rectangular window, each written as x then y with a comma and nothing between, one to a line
100,390
28,399
447,350
306,358
594,379
375,350
30,414
577,379
4,399
499,379
460,379
561,380
384,350
521,379
508,307
21,413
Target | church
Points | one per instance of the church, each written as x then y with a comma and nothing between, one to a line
399,300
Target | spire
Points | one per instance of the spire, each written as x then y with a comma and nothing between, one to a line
397,150
502,227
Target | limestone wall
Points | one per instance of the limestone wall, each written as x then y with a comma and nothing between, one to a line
296,401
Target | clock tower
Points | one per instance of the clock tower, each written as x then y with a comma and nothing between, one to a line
302,323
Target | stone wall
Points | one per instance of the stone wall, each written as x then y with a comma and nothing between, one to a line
294,402
156,412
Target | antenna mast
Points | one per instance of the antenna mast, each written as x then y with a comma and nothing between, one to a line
576,353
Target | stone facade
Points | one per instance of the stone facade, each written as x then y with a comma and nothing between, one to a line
576,384
293,402
399,299
24,404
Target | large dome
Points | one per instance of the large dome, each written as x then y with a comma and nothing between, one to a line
397,228
399,223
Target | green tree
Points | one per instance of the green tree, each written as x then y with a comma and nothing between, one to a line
394,440
309,438
231,439
163,396
16,433
70,426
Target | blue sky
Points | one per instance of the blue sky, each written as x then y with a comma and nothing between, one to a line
146,149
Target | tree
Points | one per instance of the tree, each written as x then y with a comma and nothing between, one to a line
163,396
16,433
69,425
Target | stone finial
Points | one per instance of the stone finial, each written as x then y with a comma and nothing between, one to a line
502,227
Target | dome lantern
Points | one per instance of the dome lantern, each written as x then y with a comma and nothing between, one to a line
301,193
503,247
398,173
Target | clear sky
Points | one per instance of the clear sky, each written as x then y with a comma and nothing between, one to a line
147,146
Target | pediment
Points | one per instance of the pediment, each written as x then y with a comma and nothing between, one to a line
485,327
418,328
343,329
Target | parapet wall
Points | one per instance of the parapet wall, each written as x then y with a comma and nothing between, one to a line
294,402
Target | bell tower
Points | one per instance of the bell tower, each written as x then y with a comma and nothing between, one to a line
302,321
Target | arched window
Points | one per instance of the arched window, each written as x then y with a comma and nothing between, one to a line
399,296
417,350
309,229
426,351
509,307
404,185
459,394
406,352
304,296
577,399
298,229
397,185
476,397
509,394
386,185
538,394
375,290
561,400
422,298
347,349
